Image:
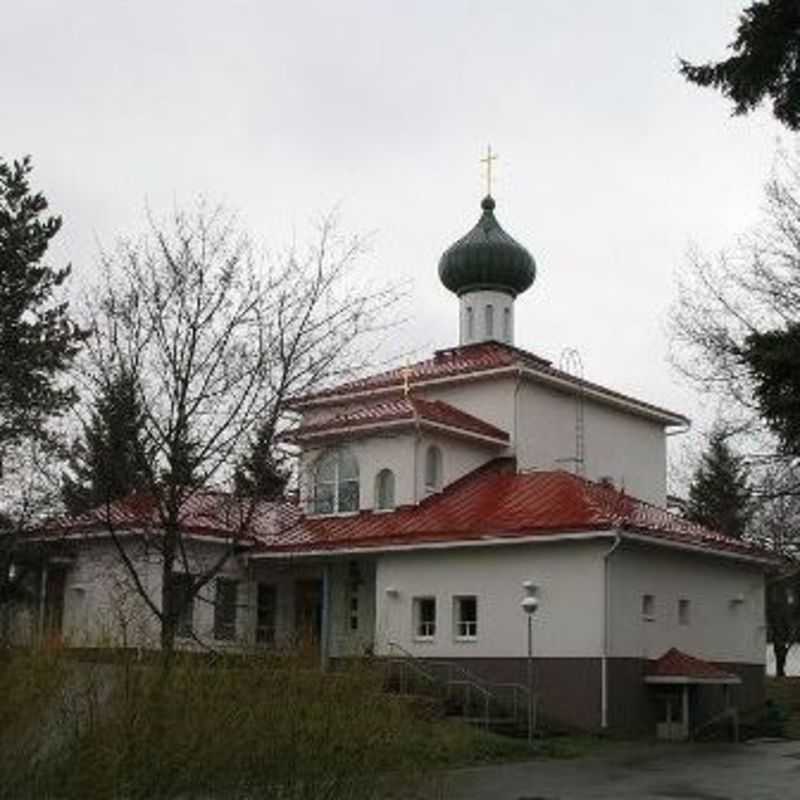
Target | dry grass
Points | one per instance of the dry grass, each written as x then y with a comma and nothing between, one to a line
254,729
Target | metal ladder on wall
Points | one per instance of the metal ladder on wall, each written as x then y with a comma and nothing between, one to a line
497,706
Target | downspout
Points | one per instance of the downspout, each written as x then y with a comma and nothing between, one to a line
42,601
606,631
324,647
515,421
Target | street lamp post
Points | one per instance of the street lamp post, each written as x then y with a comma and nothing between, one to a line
529,605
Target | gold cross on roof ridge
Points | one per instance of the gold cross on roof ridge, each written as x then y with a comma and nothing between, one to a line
488,159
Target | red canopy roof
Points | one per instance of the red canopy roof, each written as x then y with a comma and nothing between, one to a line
678,667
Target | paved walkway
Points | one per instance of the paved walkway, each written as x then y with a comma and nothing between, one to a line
750,771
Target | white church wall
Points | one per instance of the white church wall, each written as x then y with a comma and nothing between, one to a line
486,315
491,400
103,607
725,619
627,448
569,621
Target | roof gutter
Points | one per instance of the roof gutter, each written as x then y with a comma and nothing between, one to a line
493,541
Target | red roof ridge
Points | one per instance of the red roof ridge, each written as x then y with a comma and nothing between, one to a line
470,359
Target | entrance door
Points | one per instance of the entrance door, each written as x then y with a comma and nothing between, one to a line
54,587
673,712
308,613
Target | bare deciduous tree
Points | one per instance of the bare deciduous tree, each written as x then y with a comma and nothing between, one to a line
218,340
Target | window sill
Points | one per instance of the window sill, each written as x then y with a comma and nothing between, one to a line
326,514
466,639
424,639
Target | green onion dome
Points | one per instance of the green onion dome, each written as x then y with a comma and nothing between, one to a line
487,258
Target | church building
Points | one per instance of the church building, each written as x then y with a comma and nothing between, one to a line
437,498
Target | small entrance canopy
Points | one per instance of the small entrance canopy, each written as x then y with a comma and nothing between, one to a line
674,675
675,667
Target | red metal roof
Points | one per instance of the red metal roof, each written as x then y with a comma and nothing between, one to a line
409,410
496,502
492,502
677,666
211,514
471,360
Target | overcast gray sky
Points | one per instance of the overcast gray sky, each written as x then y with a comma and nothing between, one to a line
610,164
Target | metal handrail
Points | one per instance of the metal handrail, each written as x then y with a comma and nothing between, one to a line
468,682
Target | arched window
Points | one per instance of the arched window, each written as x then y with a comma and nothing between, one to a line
470,324
489,310
507,324
433,468
336,482
384,490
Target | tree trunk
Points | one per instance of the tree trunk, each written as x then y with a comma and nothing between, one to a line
781,650
170,611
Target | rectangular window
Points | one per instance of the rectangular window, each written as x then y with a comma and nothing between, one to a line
225,609
648,606
354,611
183,601
424,617
470,325
683,611
489,312
266,607
506,324
465,611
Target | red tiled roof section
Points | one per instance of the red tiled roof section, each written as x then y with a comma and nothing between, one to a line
406,409
676,664
445,363
473,359
496,502
212,514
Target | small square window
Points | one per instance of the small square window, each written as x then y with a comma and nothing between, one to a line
648,606
465,609
684,614
424,617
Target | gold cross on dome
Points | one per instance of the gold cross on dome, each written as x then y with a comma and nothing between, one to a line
490,157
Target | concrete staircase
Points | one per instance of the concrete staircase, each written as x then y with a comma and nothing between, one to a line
506,708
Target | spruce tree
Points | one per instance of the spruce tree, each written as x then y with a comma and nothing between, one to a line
108,461
38,340
260,473
719,495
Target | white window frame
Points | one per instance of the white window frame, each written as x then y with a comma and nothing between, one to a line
465,630
424,630
648,607
684,611
337,482
488,313
433,455
381,493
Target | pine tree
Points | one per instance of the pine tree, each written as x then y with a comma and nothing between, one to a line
38,340
260,473
108,461
773,360
719,495
765,63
